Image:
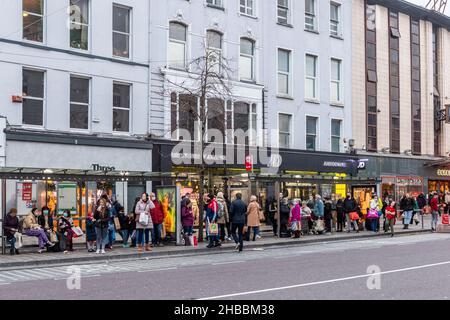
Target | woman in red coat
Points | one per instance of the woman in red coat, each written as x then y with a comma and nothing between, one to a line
158,220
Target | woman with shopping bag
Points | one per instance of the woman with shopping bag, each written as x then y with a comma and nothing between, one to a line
144,223
296,218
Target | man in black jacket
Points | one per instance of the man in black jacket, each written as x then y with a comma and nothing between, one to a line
238,218
350,205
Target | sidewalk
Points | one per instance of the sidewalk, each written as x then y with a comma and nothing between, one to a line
29,258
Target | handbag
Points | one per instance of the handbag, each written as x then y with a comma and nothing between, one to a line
354,216
143,219
262,217
19,242
77,231
295,226
373,214
445,219
427,210
53,237
117,223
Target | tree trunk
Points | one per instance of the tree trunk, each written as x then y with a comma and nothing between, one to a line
201,205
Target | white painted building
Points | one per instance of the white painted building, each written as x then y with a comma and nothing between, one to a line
74,88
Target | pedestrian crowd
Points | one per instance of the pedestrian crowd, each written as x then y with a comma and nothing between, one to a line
224,220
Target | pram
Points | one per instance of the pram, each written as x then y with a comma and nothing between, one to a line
318,227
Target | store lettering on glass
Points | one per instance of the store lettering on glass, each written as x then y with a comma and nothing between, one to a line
443,172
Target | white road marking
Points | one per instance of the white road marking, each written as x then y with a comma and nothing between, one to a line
156,270
325,281
225,263
5,284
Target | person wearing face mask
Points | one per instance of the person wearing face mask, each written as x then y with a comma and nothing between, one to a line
65,225
350,206
101,220
144,225
33,229
46,222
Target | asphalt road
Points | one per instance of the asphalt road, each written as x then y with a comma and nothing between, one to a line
410,267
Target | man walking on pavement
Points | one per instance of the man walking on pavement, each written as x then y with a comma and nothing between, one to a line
238,215
434,204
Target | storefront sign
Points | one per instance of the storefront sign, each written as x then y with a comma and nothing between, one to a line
335,164
97,167
249,163
443,173
27,192
362,164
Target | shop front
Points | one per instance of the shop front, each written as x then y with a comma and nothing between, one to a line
438,176
300,174
72,172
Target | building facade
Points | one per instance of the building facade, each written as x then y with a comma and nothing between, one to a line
400,59
74,96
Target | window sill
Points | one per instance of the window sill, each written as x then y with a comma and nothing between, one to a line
247,16
337,104
288,25
283,96
315,101
248,81
338,37
215,7
312,31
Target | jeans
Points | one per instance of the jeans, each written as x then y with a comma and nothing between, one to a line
156,234
239,238
374,225
408,217
40,234
12,241
102,237
188,231
351,223
140,236
434,219
125,236
255,233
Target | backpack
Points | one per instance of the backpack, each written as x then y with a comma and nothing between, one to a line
220,209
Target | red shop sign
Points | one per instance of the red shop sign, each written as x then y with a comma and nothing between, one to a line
249,163
27,190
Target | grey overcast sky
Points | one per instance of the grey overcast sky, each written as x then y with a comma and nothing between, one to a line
424,3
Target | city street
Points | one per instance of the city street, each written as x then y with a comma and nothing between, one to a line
410,267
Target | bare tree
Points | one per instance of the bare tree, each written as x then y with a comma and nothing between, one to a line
207,77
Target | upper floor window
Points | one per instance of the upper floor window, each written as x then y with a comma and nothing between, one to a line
79,103
247,60
121,31
284,11
336,81
247,7
336,135
121,107
311,133
311,81
284,130
33,93
215,3
214,45
177,45
284,72
310,15
79,24
33,20
335,19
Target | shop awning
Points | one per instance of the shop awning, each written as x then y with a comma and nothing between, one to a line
80,175
438,163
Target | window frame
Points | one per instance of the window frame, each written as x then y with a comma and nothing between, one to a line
185,43
43,99
88,25
316,136
129,109
89,105
43,18
251,57
219,51
289,73
336,23
288,10
130,34
316,78
313,16
291,127
253,13
334,136
339,82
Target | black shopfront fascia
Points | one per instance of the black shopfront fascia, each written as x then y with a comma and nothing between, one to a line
292,160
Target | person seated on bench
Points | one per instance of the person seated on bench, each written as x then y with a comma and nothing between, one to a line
11,226
33,229
65,225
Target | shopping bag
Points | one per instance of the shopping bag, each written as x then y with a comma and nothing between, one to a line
77,231
445,219
262,217
427,210
143,219
354,216
117,223
53,237
213,229
19,243
373,214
